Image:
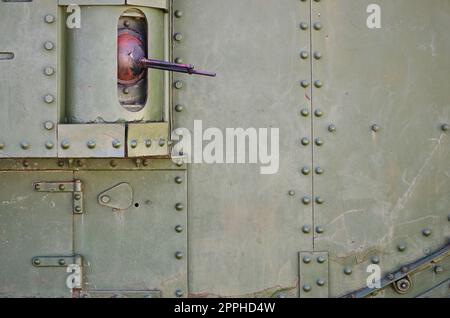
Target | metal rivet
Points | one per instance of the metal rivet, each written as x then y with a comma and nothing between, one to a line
24,145
179,60
304,112
146,162
36,261
320,171
320,200
305,141
306,259
306,200
179,255
77,196
304,26
307,288
2,145
162,142
445,127
426,232
348,271
178,13
126,91
306,171
178,84
401,247
105,199
49,145
65,144
376,128
37,187
49,19
318,84
390,276
179,293
49,125
375,260
49,46
317,26
438,269
62,262
318,113
178,37
49,98
179,206
178,229
91,144
49,71
179,180
304,55
306,229
321,259
148,143
78,209
126,23
332,128
179,108
26,164
134,143
62,187
113,163
320,282
317,55
405,269
320,142
304,83
116,144
61,163
320,229
291,193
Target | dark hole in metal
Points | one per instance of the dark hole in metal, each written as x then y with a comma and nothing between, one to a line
6,56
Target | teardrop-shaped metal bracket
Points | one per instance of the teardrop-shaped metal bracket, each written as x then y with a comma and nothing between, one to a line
119,197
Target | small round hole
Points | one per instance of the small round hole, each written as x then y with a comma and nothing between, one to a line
136,205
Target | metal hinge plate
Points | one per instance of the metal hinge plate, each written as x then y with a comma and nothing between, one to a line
73,265
74,187
314,275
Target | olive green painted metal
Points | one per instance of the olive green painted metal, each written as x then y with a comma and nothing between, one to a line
385,184
92,68
33,224
138,248
313,275
246,229
146,140
29,85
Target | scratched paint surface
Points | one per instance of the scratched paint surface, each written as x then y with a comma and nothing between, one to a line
381,189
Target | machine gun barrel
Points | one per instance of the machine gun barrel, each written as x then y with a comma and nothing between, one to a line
173,67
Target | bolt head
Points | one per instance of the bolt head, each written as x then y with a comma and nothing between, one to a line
401,247
318,84
319,142
105,199
438,269
162,142
65,144
48,99
306,171
291,193
178,84
77,196
332,128
25,145
320,229
375,260
49,125
134,144
178,37
49,71
376,128
304,55
304,83
321,259
317,26
179,293
306,200
445,127
320,282
116,144
179,255
2,146
36,261
78,209
307,288
305,141
317,55
426,232
178,180
91,144
306,259
304,112
179,206
49,19
320,200
318,113
348,271
113,163
178,13
49,45
319,171
306,229
179,108
62,262
304,26
179,229
390,276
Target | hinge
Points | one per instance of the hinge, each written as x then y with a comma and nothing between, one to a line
73,265
314,275
74,187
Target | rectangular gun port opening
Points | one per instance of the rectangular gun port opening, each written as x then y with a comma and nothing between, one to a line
6,56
